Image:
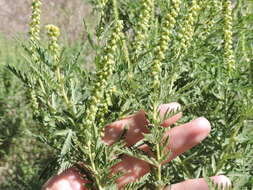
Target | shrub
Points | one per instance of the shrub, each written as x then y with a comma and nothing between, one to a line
147,52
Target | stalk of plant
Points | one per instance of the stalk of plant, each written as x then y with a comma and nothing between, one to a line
34,38
103,75
53,33
105,72
159,55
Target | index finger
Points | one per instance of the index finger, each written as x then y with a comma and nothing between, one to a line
136,125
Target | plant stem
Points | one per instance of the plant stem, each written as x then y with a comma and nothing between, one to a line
94,167
159,167
59,78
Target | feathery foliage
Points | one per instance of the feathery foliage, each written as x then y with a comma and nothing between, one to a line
198,53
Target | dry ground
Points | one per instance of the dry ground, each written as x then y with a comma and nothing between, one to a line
67,14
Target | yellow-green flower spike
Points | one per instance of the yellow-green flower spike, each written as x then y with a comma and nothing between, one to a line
107,67
35,21
101,6
187,27
228,35
53,33
103,3
143,25
214,7
34,34
104,105
166,30
34,102
34,29
217,4
105,72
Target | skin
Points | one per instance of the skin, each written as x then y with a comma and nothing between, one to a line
181,139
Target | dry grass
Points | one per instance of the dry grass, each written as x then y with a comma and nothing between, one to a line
68,15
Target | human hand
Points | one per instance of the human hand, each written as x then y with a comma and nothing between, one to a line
181,139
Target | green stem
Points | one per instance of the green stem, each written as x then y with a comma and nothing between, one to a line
64,94
94,168
126,54
159,167
44,91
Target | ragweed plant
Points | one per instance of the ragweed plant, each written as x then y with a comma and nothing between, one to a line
147,53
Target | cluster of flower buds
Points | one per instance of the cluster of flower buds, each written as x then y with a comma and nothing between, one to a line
228,35
35,27
166,30
214,8
104,106
35,21
101,6
34,102
143,25
187,30
217,4
108,63
53,33
35,37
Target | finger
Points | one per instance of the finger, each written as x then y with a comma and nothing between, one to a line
136,125
132,168
167,108
70,179
186,136
200,184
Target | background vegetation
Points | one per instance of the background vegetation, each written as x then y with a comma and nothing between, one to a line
202,83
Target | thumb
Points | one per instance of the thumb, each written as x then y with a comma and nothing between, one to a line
222,182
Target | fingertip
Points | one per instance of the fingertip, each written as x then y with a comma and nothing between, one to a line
222,181
203,128
167,108
203,123
186,136
194,131
164,108
70,179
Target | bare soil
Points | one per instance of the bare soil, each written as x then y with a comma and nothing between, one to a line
67,14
